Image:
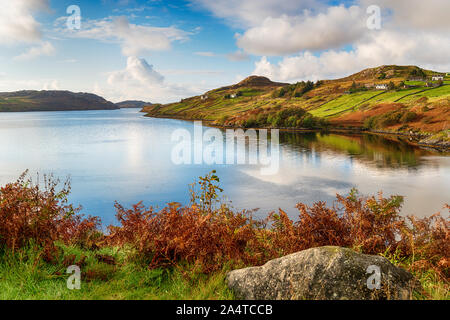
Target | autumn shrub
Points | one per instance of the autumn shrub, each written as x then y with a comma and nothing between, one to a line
308,122
206,233
371,225
408,116
210,235
288,117
391,118
185,234
427,242
40,213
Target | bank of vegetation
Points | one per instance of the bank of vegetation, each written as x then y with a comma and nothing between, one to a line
393,99
184,252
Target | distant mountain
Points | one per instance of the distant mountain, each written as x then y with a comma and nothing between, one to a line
133,104
31,100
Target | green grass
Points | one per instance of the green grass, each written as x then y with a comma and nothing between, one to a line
433,288
24,276
393,96
250,92
343,104
432,94
415,83
352,102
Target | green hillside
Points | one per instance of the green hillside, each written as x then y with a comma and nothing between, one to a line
30,100
411,102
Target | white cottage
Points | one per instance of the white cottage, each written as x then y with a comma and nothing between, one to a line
381,86
437,77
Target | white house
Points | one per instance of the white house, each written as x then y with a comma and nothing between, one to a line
437,77
381,86
233,95
204,97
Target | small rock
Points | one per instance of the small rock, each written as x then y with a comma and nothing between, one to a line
324,273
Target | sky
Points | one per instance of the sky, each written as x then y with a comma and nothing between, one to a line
162,51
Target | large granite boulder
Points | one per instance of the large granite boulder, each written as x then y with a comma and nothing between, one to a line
325,273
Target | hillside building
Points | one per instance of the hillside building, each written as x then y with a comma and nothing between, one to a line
381,86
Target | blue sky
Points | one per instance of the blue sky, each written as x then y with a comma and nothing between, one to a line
162,51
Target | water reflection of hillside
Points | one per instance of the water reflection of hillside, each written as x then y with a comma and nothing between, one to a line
373,150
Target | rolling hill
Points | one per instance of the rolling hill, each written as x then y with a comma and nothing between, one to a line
133,104
30,100
411,103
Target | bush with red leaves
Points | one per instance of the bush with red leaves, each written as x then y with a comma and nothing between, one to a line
211,236
176,234
40,213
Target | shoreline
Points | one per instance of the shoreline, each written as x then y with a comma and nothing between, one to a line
404,137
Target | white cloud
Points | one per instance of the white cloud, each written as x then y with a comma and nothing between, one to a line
429,15
9,84
385,47
17,23
204,72
205,54
52,85
237,56
251,12
44,49
139,81
320,39
19,26
334,28
68,61
234,56
134,39
137,70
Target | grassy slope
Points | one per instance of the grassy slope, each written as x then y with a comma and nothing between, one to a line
329,100
122,272
24,276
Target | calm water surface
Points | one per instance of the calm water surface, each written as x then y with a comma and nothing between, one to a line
120,155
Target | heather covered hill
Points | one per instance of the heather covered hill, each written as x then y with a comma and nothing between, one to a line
400,99
387,72
30,100
256,81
